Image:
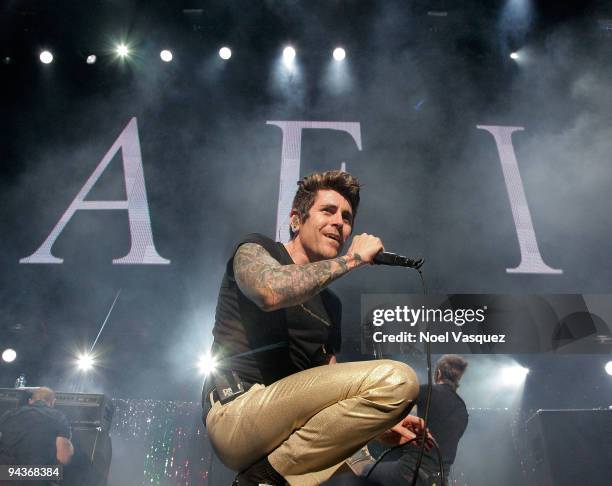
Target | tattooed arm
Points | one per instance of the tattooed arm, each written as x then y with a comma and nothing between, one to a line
273,286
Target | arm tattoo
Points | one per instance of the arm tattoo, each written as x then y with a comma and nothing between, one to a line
274,286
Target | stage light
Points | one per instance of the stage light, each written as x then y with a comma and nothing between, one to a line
91,59
225,53
166,55
207,364
9,355
339,54
608,367
288,55
46,57
514,55
513,375
85,362
122,50
337,77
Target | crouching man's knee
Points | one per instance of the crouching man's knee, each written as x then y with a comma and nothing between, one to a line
397,383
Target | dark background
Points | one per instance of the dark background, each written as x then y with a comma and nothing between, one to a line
432,183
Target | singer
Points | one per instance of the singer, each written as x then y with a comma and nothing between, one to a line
275,410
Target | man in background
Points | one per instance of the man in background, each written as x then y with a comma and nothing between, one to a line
448,419
36,433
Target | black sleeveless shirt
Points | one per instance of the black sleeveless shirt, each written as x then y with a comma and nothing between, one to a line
293,339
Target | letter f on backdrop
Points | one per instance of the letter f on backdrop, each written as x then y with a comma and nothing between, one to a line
142,249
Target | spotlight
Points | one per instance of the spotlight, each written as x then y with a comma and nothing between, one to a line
608,367
288,54
85,362
513,375
166,55
122,50
91,59
46,57
225,53
207,364
514,55
9,355
339,54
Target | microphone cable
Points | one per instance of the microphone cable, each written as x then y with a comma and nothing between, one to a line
391,449
427,405
423,438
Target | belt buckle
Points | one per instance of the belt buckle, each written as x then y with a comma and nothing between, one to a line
229,386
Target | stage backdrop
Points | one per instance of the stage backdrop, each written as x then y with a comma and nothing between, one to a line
125,184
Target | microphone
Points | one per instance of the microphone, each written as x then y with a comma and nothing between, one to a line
394,260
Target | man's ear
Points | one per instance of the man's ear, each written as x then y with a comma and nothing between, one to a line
295,221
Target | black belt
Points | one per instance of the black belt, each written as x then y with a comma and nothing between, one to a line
210,395
209,391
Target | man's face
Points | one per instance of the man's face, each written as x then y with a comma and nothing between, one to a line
328,226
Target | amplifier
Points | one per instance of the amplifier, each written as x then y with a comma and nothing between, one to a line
570,447
86,409
13,398
91,462
82,409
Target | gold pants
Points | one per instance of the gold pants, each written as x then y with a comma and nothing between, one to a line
308,423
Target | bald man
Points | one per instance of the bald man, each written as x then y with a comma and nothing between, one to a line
36,433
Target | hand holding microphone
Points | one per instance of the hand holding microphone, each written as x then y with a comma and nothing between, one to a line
367,248
394,260
364,248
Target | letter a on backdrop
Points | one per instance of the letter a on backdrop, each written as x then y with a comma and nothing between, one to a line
142,251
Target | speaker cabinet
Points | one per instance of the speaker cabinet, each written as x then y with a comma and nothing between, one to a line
570,447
